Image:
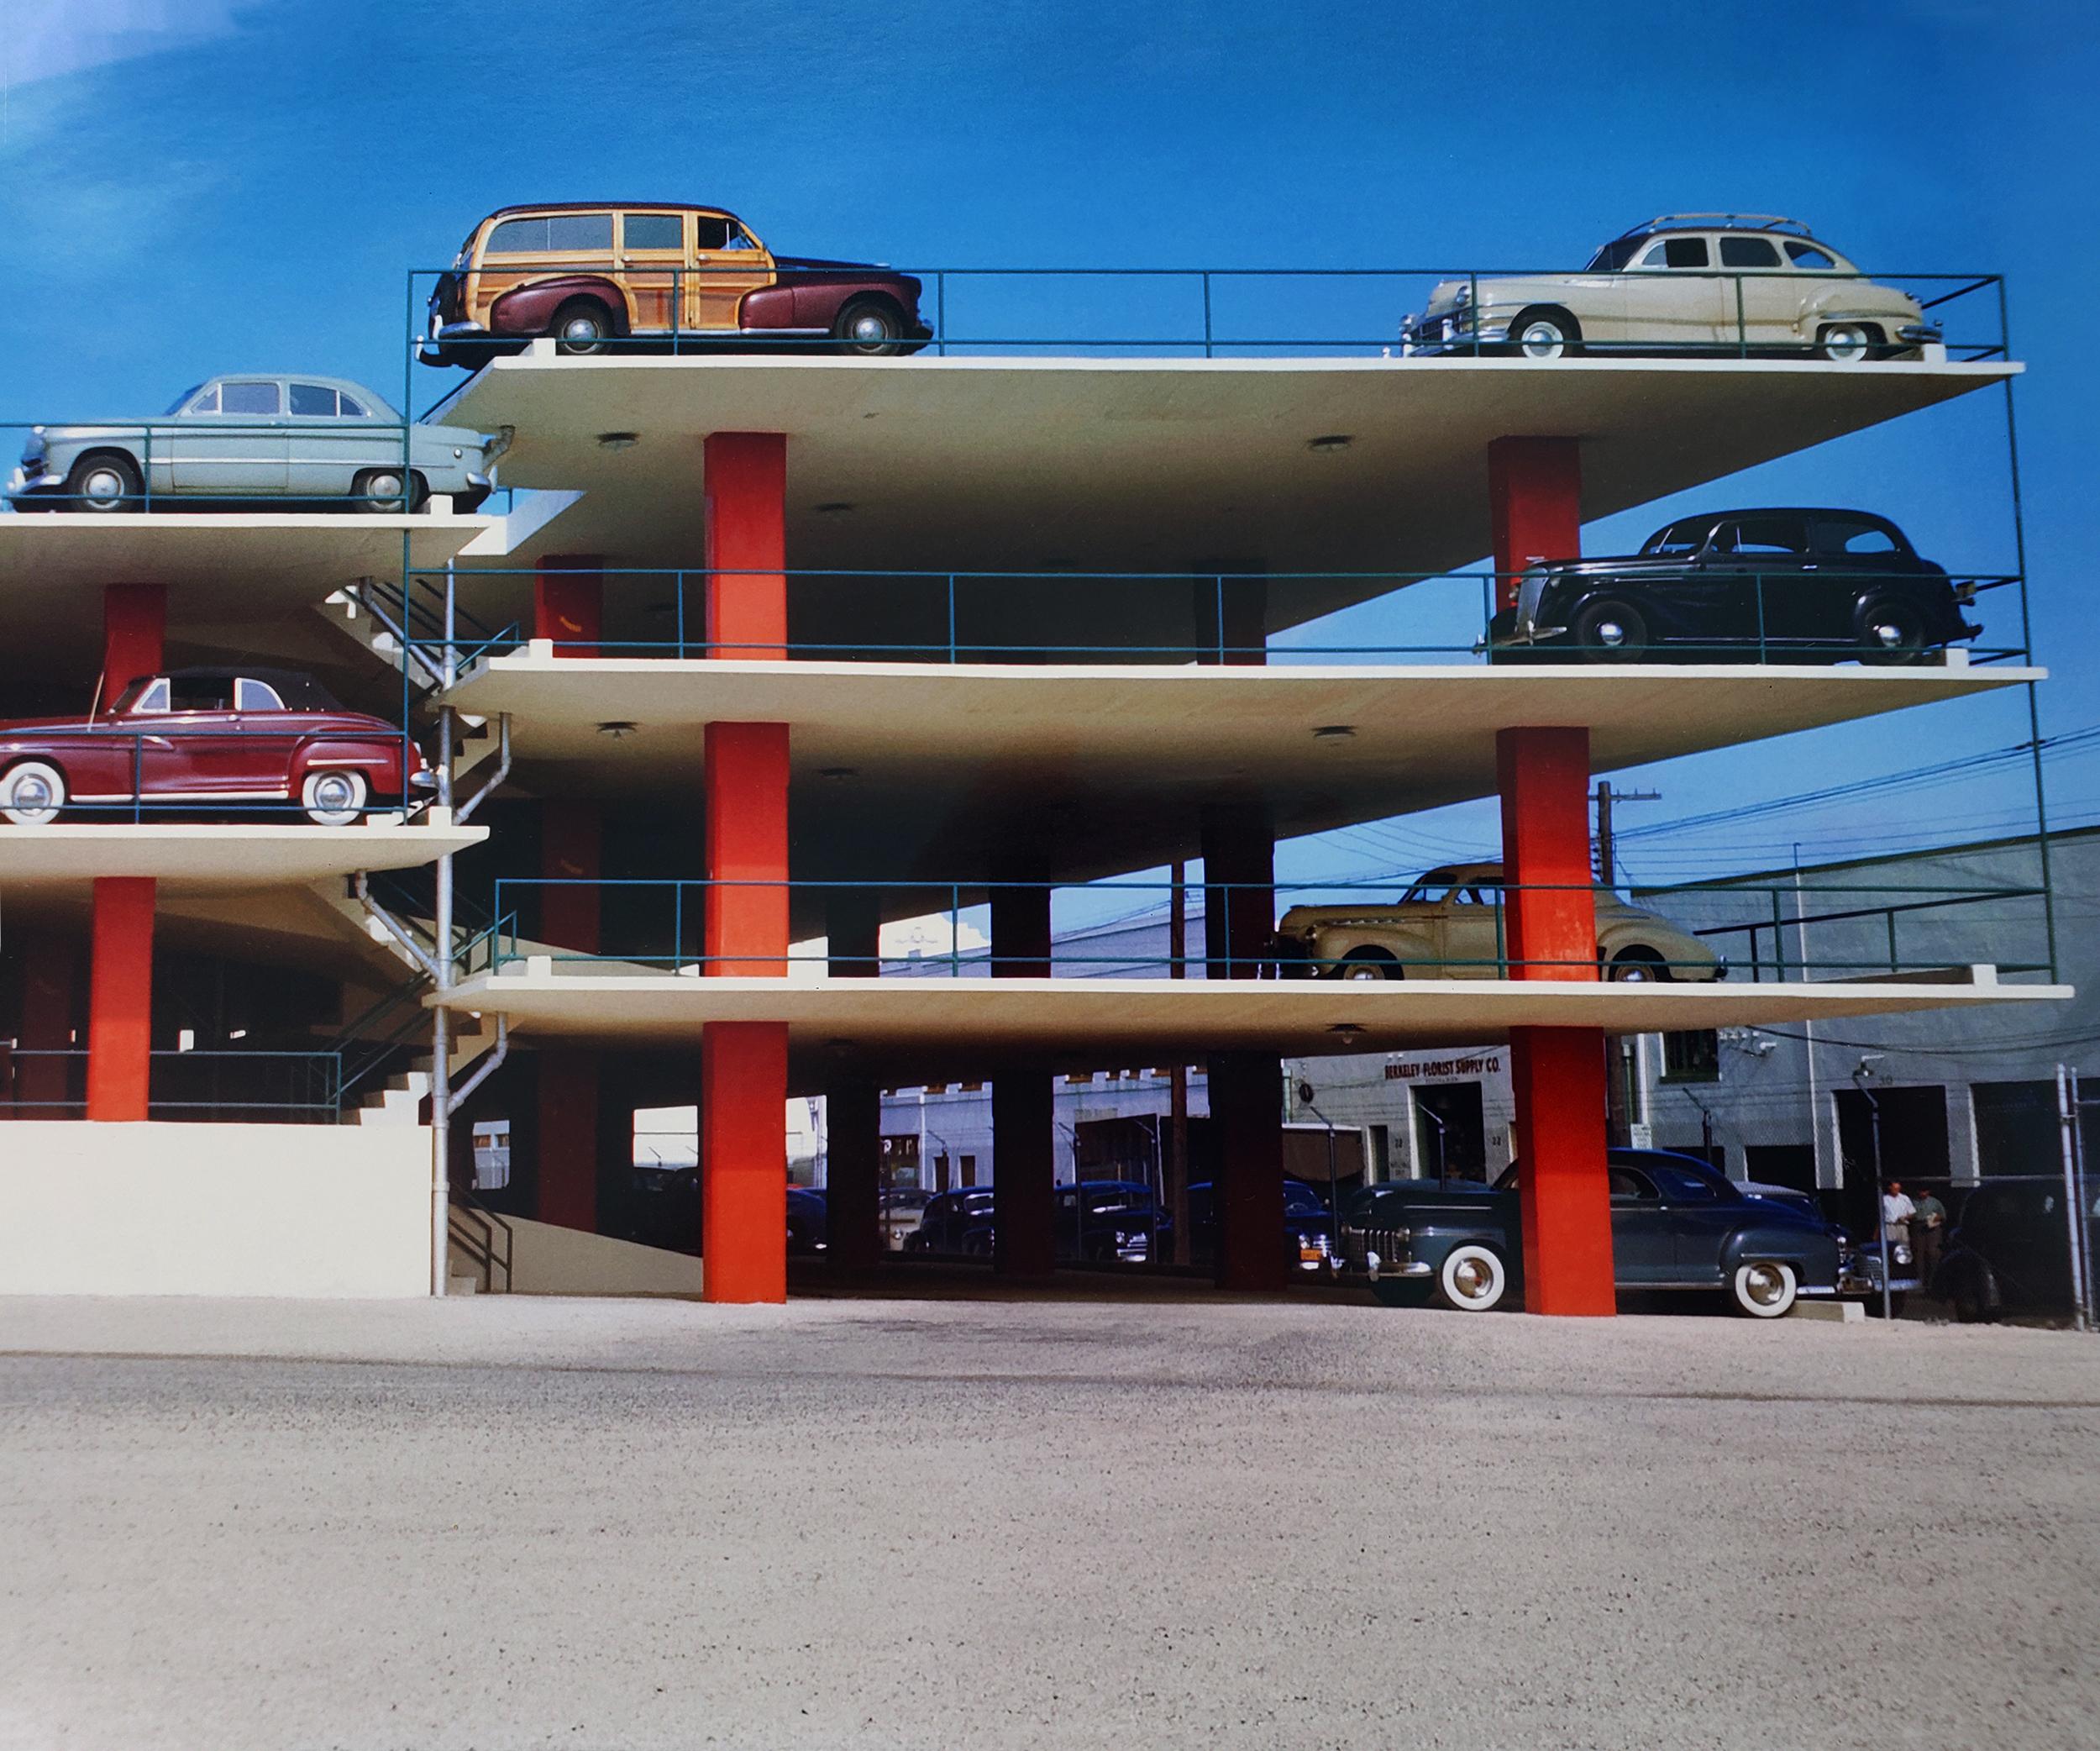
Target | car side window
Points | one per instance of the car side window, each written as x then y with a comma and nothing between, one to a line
1770,535
1677,252
740,239
312,401
1748,252
255,695
1628,1187
710,232
652,231
251,398
155,698
1683,1188
352,409
1808,255
205,693
208,402
576,233
518,236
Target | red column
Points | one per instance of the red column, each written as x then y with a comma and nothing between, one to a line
743,1068
746,481
569,603
747,912
1024,1103
120,998
1549,921
1247,1113
1535,504
135,626
567,1085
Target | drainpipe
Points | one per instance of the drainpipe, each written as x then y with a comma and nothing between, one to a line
441,1039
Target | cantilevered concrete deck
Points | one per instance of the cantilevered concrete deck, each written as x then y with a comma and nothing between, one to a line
1026,463
924,1026
198,856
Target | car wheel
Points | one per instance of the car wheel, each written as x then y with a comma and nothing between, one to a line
869,329
377,493
1764,1288
1369,964
1845,343
581,328
1970,1298
105,482
1889,631
32,794
1611,631
1472,1279
333,799
1545,335
1639,965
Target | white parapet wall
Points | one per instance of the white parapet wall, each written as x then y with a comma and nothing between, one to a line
214,1209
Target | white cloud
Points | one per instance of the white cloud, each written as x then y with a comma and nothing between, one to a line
45,42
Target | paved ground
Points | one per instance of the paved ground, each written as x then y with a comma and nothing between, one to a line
505,1522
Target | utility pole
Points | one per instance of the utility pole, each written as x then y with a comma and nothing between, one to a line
1607,848
1177,1152
1619,1097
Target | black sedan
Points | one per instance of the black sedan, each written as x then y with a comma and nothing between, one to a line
2010,1252
1776,585
1096,1222
1308,1230
1676,1223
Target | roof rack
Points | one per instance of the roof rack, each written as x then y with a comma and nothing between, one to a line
1731,221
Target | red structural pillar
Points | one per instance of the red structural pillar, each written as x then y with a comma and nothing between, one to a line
1024,1103
1534,505
1557,1074
569,603
746,481
747,910
1239,917
852,1102
120,998
134,628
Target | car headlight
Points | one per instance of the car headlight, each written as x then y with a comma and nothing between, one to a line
1464,295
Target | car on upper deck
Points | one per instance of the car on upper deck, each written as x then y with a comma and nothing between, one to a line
1676,1223
592,274
210,736
1789,585
252,436
1687,282
1449,925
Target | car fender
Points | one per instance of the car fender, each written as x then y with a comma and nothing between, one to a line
1966,1264
379,760
528,310
1814,1256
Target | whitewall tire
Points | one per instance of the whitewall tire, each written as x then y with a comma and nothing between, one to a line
1764,1289
1472,1279
334,798
32,794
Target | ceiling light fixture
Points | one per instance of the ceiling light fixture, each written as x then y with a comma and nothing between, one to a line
619,729
837,773
835,508
1348,1032
619,440
1335,733
1331,442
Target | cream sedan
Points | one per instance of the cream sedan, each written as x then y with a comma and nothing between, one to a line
1692,282
1449,926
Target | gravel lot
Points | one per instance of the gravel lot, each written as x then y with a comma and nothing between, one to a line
501,1522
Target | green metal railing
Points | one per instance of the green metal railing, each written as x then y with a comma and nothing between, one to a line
287,1087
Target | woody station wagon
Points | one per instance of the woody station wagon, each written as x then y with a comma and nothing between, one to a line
590,275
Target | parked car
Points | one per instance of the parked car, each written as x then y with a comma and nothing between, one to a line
592,274
211,736
2010,1252
1686,283
1787,585
808,1220
248,437
1097,1221
1676,1223
1449,926
901,1208
1307,1234
955,1222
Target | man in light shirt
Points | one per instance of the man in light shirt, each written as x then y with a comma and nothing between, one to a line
1896,1211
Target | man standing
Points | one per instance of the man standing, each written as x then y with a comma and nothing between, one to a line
1925,1227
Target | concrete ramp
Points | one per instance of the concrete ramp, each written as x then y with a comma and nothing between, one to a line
544,1258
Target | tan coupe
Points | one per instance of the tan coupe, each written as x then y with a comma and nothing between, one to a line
1449,926
1698,283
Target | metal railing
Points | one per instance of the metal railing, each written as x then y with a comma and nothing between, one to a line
1454,927
289,1087
1217,311
164,463
1180,617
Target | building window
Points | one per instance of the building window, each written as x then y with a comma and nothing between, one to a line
2017,1128
969,1170
1692,1057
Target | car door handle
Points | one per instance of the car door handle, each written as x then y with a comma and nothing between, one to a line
158,742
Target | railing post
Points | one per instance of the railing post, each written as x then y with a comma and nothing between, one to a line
1742,328
1472,306
1893,965
952,656
955,933
1207,346
940,312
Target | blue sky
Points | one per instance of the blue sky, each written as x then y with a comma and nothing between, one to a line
193,186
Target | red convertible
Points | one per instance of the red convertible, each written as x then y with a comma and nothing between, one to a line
205,736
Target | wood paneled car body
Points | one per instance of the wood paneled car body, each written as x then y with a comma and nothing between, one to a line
1696,283
589,275
245,739
1449,925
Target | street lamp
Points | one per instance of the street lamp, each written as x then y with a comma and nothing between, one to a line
1862,1072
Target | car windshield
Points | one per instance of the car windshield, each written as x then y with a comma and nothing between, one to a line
1615,255
182,401
1303,1201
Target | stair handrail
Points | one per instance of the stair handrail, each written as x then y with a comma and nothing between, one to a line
481,1252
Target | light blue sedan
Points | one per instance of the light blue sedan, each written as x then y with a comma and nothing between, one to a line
241,438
